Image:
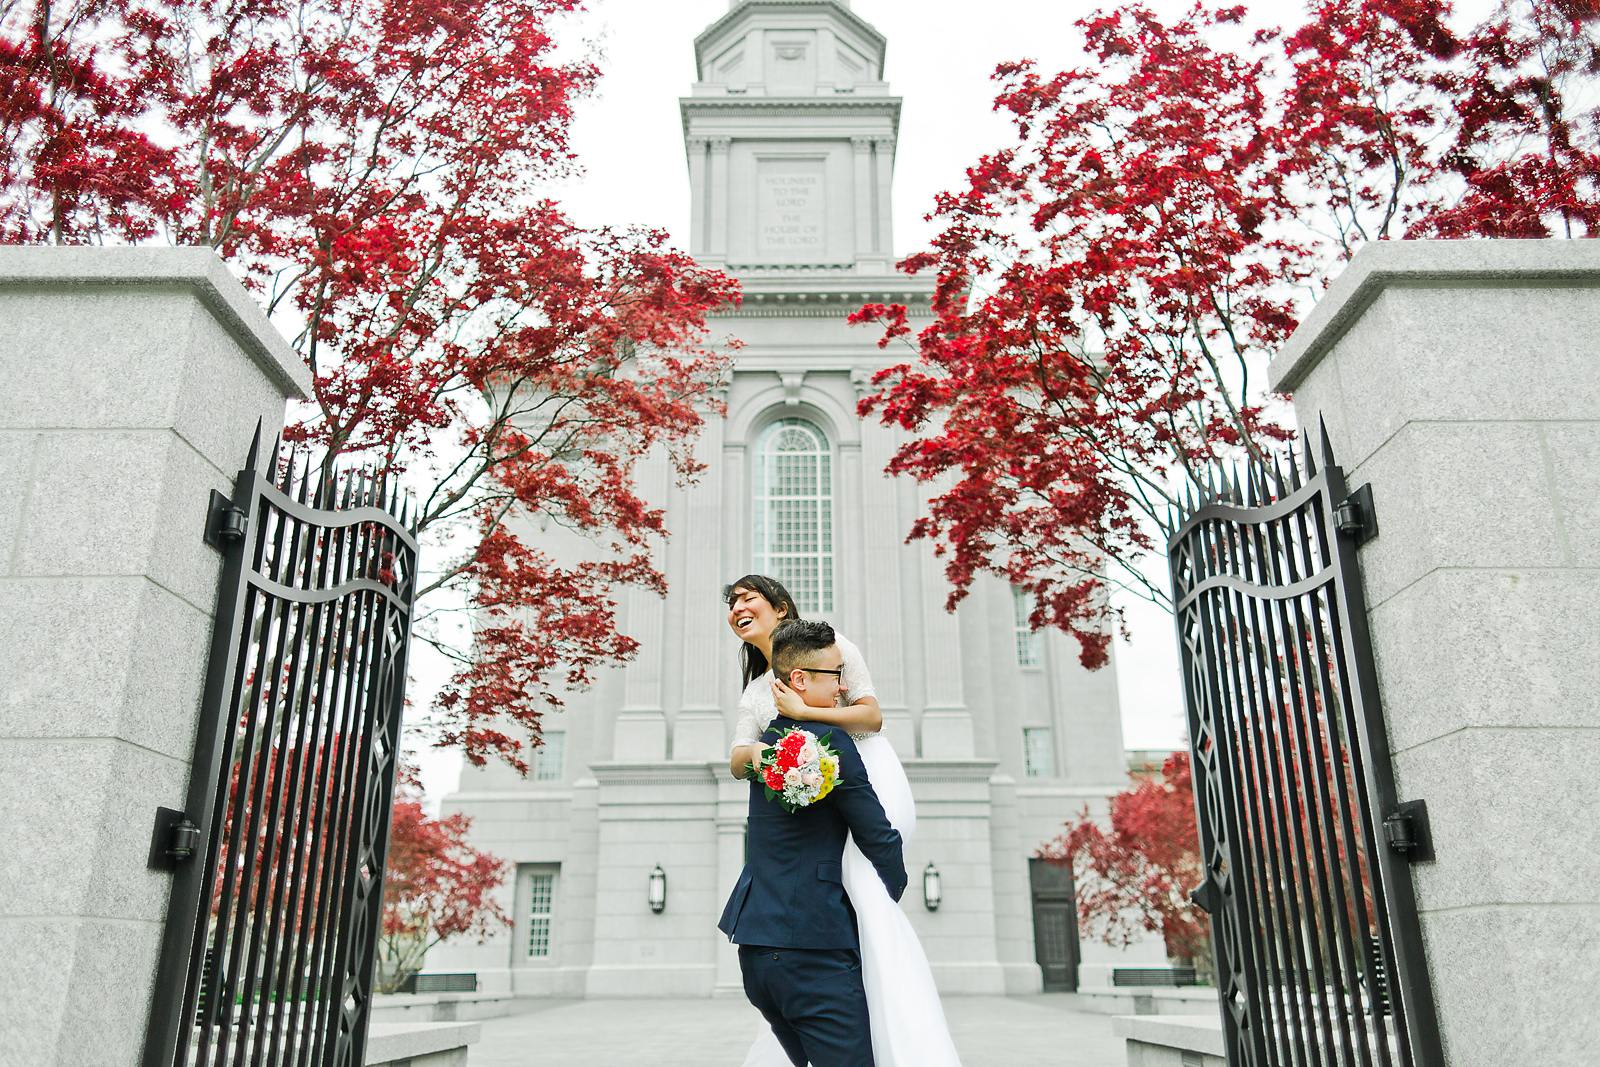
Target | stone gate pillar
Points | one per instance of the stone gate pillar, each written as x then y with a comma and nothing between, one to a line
1462,379
132,382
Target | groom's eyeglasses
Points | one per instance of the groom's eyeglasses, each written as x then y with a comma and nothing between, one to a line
839,674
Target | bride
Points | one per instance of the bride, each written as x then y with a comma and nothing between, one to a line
908,1025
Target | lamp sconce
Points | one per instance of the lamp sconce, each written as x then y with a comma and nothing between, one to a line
658,890
930,887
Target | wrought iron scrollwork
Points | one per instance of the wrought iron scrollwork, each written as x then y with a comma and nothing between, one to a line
1318,954
272,926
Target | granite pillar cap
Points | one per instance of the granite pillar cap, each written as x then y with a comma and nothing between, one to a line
198,270
1426,265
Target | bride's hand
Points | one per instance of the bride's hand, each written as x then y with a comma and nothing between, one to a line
788,701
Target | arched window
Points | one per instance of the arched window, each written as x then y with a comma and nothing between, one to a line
794,511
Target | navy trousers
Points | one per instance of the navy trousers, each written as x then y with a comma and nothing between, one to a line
814,1000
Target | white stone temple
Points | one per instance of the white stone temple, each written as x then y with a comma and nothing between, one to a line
790,136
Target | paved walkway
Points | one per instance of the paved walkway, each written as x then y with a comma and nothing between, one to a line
1046,1030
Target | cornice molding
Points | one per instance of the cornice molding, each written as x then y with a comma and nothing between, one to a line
764,107
825,303
662,773
836,312
950,770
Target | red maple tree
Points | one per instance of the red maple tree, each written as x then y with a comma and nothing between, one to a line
1527,150
1112,285
1138,876
373,169
436,886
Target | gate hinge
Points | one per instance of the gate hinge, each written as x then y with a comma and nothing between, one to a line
225,523
1355,516
174,840
1406,830
1204,896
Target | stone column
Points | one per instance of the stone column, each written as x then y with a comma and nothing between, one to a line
704,616
883,634
699,197
862,193
134,381
1462,379
946,719
883,174
640,731
717,203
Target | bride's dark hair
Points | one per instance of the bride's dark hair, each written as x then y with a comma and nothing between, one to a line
751,658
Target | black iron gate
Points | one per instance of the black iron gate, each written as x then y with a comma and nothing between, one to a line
279,854
1319,958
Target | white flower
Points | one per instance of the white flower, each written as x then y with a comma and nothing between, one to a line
808,753
791,778
811,779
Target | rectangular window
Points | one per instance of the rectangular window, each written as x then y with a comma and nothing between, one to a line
547,758
1036,751
541,905
1030,643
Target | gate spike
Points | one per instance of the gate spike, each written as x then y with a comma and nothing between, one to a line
305,480
1327,445
1238,497
271,473
1310,461
1250,484
349,487
321,492
255,448
1277,474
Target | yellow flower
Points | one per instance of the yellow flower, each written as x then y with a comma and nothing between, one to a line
830,770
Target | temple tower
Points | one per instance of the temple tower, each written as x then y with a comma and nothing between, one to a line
790,136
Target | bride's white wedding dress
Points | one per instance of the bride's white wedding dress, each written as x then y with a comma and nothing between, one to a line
908,1024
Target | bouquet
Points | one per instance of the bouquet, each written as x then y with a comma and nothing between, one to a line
799,770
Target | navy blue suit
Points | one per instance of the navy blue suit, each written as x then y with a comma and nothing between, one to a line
789,914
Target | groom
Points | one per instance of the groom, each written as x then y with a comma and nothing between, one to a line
788,912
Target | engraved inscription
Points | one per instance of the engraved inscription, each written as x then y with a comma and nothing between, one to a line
791,211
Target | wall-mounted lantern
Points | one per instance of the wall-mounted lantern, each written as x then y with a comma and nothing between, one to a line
658,890
930,886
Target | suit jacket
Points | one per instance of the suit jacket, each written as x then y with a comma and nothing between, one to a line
791,892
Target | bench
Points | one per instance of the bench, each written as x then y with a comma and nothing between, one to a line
440,983
1148,976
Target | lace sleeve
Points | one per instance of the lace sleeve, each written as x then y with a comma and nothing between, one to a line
751,720
856,679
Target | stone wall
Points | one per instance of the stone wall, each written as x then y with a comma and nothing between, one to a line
1462,379
134,379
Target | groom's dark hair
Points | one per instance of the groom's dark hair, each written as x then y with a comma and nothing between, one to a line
795,642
